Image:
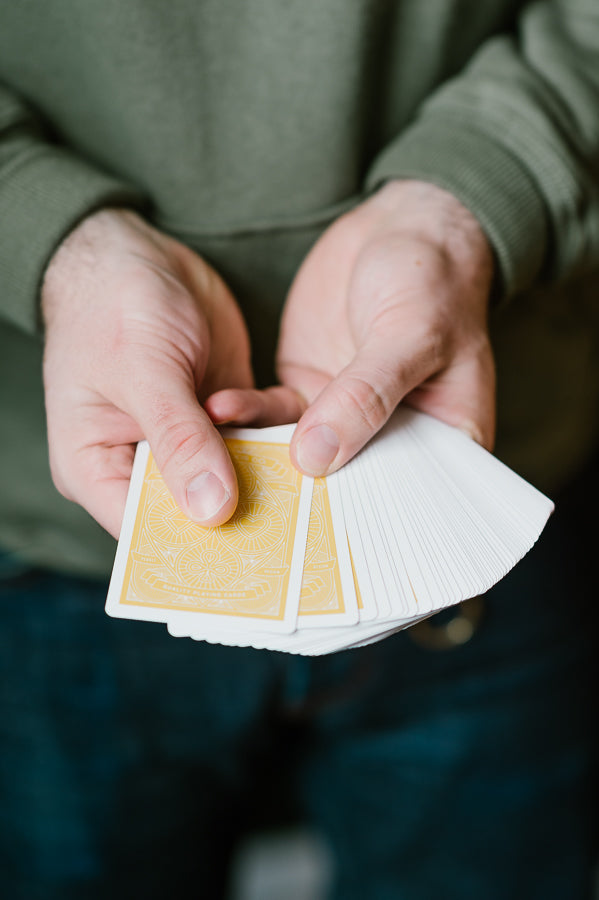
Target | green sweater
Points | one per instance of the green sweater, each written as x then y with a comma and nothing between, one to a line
244,127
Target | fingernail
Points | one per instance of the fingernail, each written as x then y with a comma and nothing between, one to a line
472,431
317,450
206,495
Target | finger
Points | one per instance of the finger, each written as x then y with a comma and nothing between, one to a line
188,450
97,478
109,511
91,449
463,395
105,474
272,406
358,402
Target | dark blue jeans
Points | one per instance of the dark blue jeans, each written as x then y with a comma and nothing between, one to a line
130,760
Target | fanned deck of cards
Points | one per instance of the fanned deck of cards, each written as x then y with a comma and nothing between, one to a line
422,518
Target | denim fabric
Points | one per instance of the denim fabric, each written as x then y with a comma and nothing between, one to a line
130,760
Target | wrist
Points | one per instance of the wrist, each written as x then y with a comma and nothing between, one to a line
100,236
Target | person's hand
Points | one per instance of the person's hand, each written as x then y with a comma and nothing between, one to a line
138,327
390,305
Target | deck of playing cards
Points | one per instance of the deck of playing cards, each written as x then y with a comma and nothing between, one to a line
422,518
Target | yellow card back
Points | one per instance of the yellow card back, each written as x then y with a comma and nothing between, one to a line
245,568
322,592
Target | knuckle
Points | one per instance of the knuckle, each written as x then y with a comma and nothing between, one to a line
177,442
360,397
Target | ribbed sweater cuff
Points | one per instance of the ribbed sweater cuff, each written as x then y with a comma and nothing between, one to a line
488,179
43,196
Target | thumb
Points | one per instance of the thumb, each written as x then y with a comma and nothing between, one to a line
355,404
189,451
358,402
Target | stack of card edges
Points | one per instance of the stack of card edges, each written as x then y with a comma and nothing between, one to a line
422,518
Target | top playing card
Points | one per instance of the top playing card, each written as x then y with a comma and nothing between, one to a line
248,570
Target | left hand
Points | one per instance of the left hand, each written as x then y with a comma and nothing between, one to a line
390,305
137,328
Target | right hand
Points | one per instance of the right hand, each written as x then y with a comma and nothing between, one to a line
389,306
139,330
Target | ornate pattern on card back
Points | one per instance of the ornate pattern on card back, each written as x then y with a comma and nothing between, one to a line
322,591
241,568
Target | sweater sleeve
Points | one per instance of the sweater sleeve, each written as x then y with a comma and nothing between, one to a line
45,190
515,137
